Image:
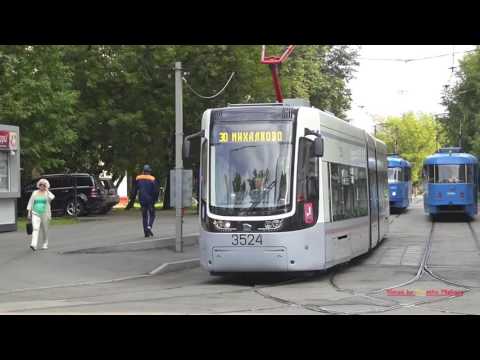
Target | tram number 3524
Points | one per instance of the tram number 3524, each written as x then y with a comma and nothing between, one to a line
247,239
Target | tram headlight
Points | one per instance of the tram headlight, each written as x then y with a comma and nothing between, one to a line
394,193
272,225
223,225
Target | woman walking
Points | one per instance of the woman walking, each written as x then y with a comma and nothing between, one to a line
40,213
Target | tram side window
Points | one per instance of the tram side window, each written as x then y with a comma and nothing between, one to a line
431,173
349,192
307,175
400,174
408,174
470,174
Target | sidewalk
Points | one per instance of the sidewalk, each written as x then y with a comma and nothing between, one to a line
119,227
103,248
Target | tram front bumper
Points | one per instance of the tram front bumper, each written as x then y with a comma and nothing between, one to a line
278,252
250,259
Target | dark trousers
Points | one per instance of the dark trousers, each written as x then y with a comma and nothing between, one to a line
148,216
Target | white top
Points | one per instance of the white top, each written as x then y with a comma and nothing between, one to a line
50,197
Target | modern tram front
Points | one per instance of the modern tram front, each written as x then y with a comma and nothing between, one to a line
272,201
259,190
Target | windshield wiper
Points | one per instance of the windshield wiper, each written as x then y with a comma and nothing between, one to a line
264,192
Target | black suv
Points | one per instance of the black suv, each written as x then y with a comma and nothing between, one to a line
90,193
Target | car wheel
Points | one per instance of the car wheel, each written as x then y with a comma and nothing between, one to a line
105,210
70,208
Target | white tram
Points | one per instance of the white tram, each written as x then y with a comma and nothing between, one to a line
288,188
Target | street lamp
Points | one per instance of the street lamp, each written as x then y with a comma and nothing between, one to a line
463,109
362,107
436,117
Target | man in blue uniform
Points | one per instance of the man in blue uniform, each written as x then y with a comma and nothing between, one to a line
147,188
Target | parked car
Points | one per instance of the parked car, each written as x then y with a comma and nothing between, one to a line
88,190
112,195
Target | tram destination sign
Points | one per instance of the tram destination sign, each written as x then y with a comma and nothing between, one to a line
249,136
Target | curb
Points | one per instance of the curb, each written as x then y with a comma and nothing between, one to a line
190,239
175,266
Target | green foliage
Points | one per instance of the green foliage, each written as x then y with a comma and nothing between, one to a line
36,94
112,107
462,122
414,137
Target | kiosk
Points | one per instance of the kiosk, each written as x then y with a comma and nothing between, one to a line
9,176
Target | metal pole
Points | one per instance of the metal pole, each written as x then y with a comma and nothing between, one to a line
178,156
75,193
464,119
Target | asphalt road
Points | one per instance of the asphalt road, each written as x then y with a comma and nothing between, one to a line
359,287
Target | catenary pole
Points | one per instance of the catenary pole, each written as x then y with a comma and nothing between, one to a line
178,157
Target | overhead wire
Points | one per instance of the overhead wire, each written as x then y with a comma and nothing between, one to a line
415,59
410,60
208,97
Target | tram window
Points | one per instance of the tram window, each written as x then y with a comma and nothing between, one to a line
450,174
408,174
361,203
396,174
203,171
307,174
470,174
4,171
431,173
348,191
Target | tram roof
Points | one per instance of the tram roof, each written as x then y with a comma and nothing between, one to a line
397,161
453,158
278,111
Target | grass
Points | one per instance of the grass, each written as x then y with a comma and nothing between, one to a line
55,221
158,206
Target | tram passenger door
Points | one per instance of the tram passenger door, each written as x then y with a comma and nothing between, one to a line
373,193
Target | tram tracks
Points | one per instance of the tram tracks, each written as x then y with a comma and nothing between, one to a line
390,304
430,272
422,269
379,305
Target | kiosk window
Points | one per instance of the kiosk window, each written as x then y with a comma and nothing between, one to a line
4,186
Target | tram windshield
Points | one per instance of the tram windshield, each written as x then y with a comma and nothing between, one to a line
395,175
251,168
450,174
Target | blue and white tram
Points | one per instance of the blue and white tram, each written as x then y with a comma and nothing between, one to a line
399,182
450,182
288,188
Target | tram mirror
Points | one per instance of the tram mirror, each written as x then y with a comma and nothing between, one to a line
318,147
186,149
186,143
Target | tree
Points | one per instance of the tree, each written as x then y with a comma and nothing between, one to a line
36,94
462,121
414,137
112,107
315,72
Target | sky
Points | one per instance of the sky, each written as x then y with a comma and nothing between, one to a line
383,88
